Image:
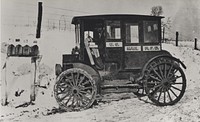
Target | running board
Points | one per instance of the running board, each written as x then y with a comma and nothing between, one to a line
122,88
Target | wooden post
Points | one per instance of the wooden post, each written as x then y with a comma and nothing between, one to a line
33,78
177,38
4,88
195,43
39,20
163,34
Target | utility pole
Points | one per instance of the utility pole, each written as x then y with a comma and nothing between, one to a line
39,20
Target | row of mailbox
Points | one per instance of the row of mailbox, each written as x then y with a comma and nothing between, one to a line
19,50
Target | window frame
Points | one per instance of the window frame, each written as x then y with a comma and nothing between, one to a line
132,24
157,32
110,33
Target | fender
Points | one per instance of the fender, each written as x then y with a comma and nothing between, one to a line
162,56
90,70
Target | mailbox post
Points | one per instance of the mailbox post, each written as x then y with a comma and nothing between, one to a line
27,51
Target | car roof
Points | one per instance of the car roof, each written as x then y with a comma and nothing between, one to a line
77,19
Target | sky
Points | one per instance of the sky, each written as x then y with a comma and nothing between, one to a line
95,6
184,14
19,20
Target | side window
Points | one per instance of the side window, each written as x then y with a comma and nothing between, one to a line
113,30
132,33
88,34
151,32
77,33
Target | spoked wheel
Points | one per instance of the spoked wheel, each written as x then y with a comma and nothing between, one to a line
166,83
140,92
75,90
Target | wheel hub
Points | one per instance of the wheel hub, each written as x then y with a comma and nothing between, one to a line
166,84
75,90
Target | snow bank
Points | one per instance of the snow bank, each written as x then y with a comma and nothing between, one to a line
45,107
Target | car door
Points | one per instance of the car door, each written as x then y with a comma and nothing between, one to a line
132,45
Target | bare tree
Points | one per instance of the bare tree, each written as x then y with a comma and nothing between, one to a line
156,11
165,25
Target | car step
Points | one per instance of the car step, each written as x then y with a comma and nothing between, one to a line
121,86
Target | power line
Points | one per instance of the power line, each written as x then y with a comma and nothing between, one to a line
58,14
72,10
18,16
67,9
28,11
24,18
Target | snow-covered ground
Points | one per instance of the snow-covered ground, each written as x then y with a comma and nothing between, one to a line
190,43
45,108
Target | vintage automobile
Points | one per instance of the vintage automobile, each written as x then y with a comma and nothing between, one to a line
114,54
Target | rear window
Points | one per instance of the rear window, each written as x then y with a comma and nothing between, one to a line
151,32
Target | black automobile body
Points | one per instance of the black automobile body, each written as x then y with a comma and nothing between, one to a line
114,54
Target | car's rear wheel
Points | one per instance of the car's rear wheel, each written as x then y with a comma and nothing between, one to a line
166,83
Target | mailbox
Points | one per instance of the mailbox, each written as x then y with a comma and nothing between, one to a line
22,49
11,50
34,50
18,50
26,50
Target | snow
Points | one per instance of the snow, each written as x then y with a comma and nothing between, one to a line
128,109
186,43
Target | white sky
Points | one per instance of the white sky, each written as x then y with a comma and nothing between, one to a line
19,17
95,6
185,14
